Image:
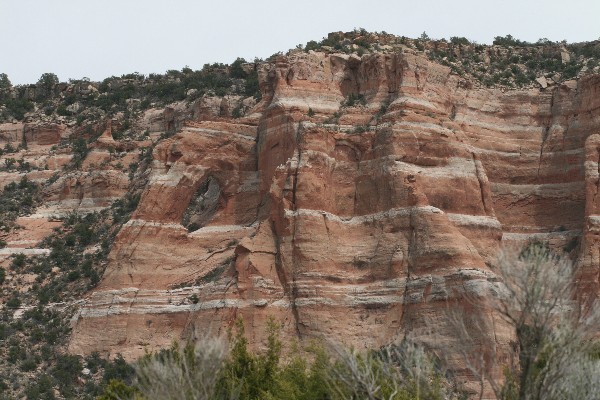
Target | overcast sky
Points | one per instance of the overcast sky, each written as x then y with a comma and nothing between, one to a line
100,38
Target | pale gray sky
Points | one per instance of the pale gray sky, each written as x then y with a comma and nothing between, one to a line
100,38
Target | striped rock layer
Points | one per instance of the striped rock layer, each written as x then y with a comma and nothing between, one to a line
357,224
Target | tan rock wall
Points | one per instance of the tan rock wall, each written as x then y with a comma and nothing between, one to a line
353,237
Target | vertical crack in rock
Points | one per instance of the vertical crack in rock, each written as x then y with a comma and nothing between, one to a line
112,302
390,263
546,131
482,180
597,178
418,79
545,134
358,173
295,184
128,313
133,301
327,229
125,254
278,262
295,179
565,157
452,115
293,287
377,245
494,332
409,266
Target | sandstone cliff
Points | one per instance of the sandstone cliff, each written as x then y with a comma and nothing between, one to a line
359,237
361,198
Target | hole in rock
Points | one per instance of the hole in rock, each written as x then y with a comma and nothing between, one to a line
203,206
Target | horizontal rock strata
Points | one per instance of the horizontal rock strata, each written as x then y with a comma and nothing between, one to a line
354,223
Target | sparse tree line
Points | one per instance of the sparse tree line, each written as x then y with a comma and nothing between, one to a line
118,94
518,66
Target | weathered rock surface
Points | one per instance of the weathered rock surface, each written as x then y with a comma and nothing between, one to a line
359,224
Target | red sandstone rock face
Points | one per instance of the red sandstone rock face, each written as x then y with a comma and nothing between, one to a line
357,236
43,134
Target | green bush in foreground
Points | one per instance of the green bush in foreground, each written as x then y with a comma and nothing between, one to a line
208,371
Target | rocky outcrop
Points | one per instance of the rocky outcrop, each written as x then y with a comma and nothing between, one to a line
358,201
